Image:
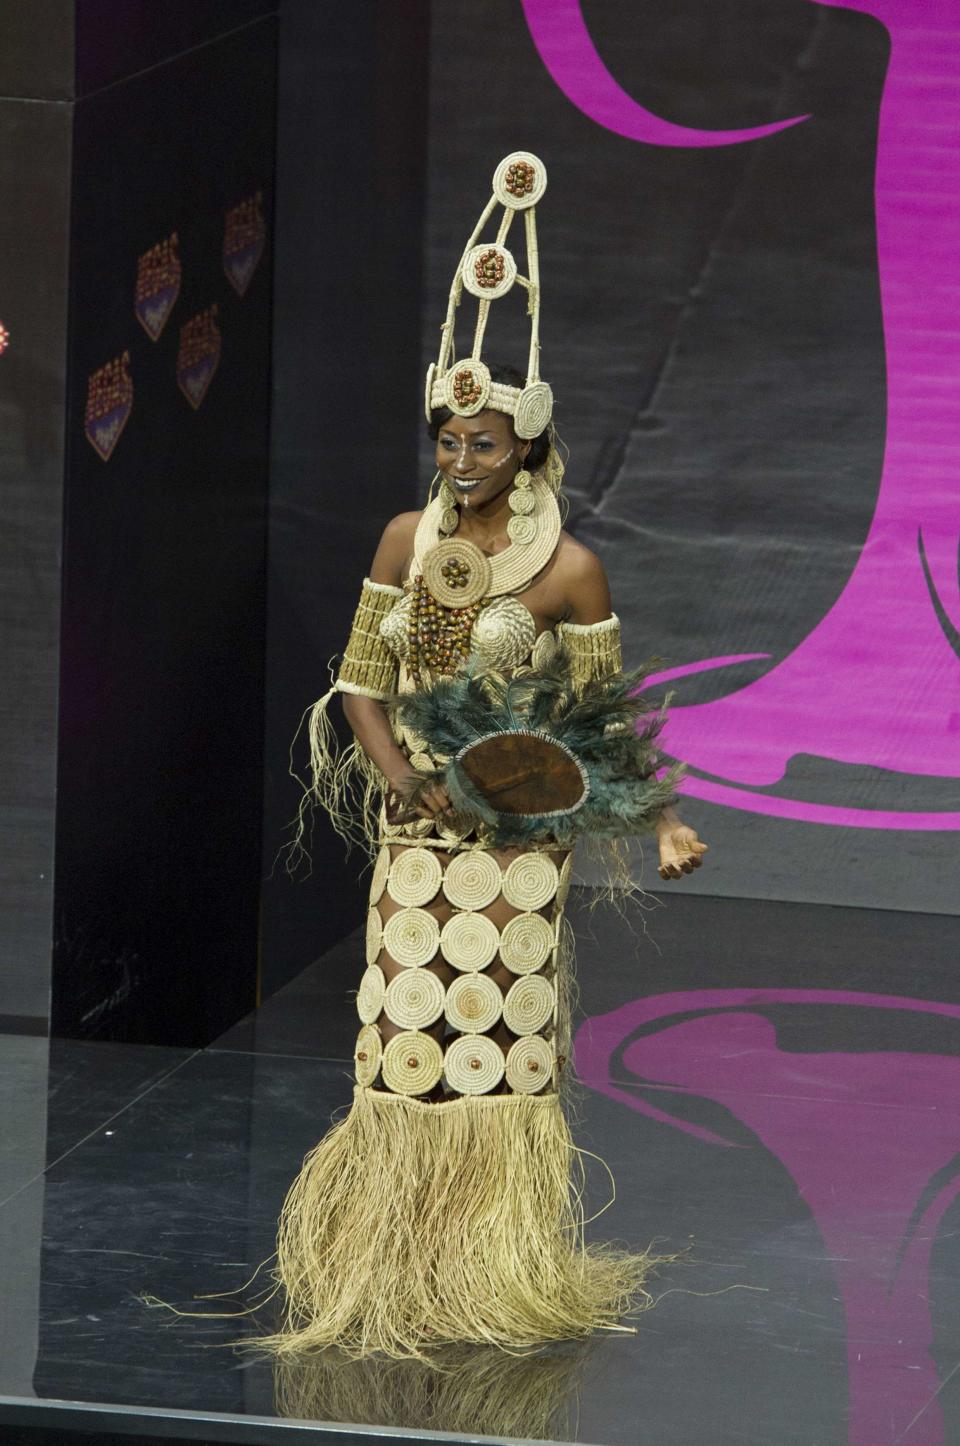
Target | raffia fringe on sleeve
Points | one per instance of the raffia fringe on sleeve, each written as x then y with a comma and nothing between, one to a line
344,781
593,649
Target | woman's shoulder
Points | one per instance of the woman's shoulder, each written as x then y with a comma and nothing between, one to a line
395,548
578,561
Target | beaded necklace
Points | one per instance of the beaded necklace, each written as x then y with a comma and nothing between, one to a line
439,636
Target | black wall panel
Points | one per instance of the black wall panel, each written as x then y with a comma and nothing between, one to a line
347,393
160,783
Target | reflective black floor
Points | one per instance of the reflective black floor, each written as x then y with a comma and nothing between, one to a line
776,1088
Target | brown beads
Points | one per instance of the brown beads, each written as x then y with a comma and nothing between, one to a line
467,389
520,178
489,268
439,637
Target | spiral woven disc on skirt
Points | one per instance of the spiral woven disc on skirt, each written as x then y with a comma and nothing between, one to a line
374,940
412,1063
411,937
367,1054
469,941
530,1065
370,994
421,761
474,1003
474,1064
414,999
530,881
472,880
378,880
417,827
415,877
526,943
563,887
529,1004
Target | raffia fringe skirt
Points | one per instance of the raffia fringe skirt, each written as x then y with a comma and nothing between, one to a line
416,1224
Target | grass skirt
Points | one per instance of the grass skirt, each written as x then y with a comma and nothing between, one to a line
417,1224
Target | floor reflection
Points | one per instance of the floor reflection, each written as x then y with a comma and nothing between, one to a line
466,1390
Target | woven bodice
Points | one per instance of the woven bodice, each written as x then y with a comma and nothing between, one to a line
505,634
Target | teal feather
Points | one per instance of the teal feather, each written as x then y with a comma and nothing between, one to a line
610,727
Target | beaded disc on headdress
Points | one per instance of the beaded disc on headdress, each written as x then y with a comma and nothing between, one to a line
529,1064
415,877
370,994
526,943
378,879
529,1004
530,881
414,999
487,270
374,941
367,1054
474,1064
411,937
412,1063
469,942
472,880
474,1003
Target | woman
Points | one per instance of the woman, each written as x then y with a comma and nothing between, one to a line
443,1208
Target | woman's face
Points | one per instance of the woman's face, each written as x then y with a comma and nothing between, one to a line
479,456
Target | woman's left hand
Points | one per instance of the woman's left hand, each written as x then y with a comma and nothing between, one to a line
680,850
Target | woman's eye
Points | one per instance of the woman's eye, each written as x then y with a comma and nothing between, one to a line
482,446
449,443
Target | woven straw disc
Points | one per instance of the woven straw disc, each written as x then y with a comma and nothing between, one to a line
504,633
370,994
526,943
417,827
544,651
477,576
563,887
472,880
521,500
530,198
414,1000
529,1065
470,371
367,1054
427,390
471,280
469,941
415,741
412,1063
530,881
529,1004
522,530
474,1064
411,937
378,881
474,1003
534,410
374,936
415,877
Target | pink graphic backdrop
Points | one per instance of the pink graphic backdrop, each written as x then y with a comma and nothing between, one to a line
877,681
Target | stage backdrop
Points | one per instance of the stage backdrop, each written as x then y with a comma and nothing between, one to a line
747,251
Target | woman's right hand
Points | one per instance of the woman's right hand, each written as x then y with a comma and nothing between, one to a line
432,803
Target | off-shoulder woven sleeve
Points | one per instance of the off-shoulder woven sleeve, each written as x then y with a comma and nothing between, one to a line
593,649
368,666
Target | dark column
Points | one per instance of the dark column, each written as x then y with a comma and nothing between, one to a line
347,395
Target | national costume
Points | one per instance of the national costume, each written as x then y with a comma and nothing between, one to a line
445,1205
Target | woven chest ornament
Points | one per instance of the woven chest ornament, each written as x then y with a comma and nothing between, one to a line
488,271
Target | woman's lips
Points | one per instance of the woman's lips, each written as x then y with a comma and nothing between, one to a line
466,484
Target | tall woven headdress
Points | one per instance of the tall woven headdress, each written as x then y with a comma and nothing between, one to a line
488,271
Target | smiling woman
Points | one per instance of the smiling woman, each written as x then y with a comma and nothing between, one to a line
493,726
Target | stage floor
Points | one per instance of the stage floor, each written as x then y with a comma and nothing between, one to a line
776,1088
